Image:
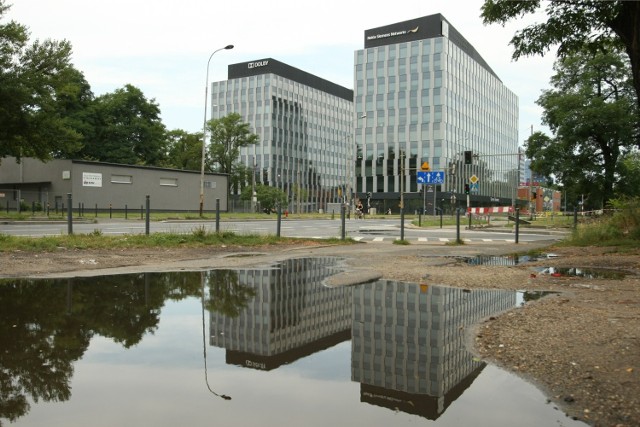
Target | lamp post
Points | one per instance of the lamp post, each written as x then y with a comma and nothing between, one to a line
204,127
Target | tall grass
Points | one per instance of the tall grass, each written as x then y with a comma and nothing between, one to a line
622,228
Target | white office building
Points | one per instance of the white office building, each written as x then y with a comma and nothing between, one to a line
304,124
428,97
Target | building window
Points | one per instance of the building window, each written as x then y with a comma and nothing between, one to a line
169,182
121,179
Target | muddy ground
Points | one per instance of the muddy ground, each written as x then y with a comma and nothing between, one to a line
580,345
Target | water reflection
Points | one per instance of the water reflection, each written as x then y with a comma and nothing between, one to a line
291,316
408,343
407,350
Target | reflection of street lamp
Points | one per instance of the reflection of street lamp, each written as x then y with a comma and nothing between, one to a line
204,128
204,346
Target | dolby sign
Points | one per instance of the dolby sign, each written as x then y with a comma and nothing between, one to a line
256,64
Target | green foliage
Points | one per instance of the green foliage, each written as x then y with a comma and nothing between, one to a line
571,25
268,197
620,229
40,92
184,150
629,172
228,135
588,111
128,129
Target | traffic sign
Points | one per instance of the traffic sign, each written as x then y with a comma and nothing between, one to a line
474,179
433,177
475,187
425,167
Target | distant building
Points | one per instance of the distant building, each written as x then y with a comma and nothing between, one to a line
103,185
304,125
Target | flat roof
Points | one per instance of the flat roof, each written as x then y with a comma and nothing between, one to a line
272,66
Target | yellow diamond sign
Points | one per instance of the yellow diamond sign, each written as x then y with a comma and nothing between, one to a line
474,179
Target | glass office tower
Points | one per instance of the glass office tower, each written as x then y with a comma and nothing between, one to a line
304,124
428,98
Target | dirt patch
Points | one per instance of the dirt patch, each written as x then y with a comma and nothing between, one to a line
581,345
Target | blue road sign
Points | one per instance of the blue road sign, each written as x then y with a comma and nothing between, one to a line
434,177
475,187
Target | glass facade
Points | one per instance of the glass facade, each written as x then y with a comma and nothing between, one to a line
429,98
304,125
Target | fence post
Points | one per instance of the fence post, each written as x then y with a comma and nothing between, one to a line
146,222
517,225
458,225
69,214
217,215
278,221
343,223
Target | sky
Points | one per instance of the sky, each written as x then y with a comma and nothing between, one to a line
162,47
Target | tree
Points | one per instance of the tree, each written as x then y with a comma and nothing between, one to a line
270,198
571,25
629,183
39,91
228,135
588,112
128,129
184,150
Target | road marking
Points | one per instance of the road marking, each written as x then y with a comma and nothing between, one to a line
443,239
422,239
378,239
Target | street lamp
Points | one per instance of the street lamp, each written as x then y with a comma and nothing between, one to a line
204,128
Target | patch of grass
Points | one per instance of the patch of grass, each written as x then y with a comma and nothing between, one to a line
401,242
198,238
621,229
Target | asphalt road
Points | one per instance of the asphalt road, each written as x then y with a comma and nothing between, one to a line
369,230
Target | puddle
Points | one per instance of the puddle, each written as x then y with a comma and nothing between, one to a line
261,346
587,273
507,259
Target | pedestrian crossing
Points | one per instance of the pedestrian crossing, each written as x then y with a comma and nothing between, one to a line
419,240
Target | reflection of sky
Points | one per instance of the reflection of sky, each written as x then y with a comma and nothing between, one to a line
160,382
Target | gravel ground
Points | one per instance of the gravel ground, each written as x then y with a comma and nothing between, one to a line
580,345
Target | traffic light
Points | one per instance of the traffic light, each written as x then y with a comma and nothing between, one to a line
468,157
466,189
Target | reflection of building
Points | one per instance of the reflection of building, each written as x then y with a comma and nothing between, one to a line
408,343
292,315
303,122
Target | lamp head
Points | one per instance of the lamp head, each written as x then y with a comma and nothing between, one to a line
229,46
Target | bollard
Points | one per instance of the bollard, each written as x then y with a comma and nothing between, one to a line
458,226
517,225
96,211
69,214
146,222
217,215
110,211
343,232
278,221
